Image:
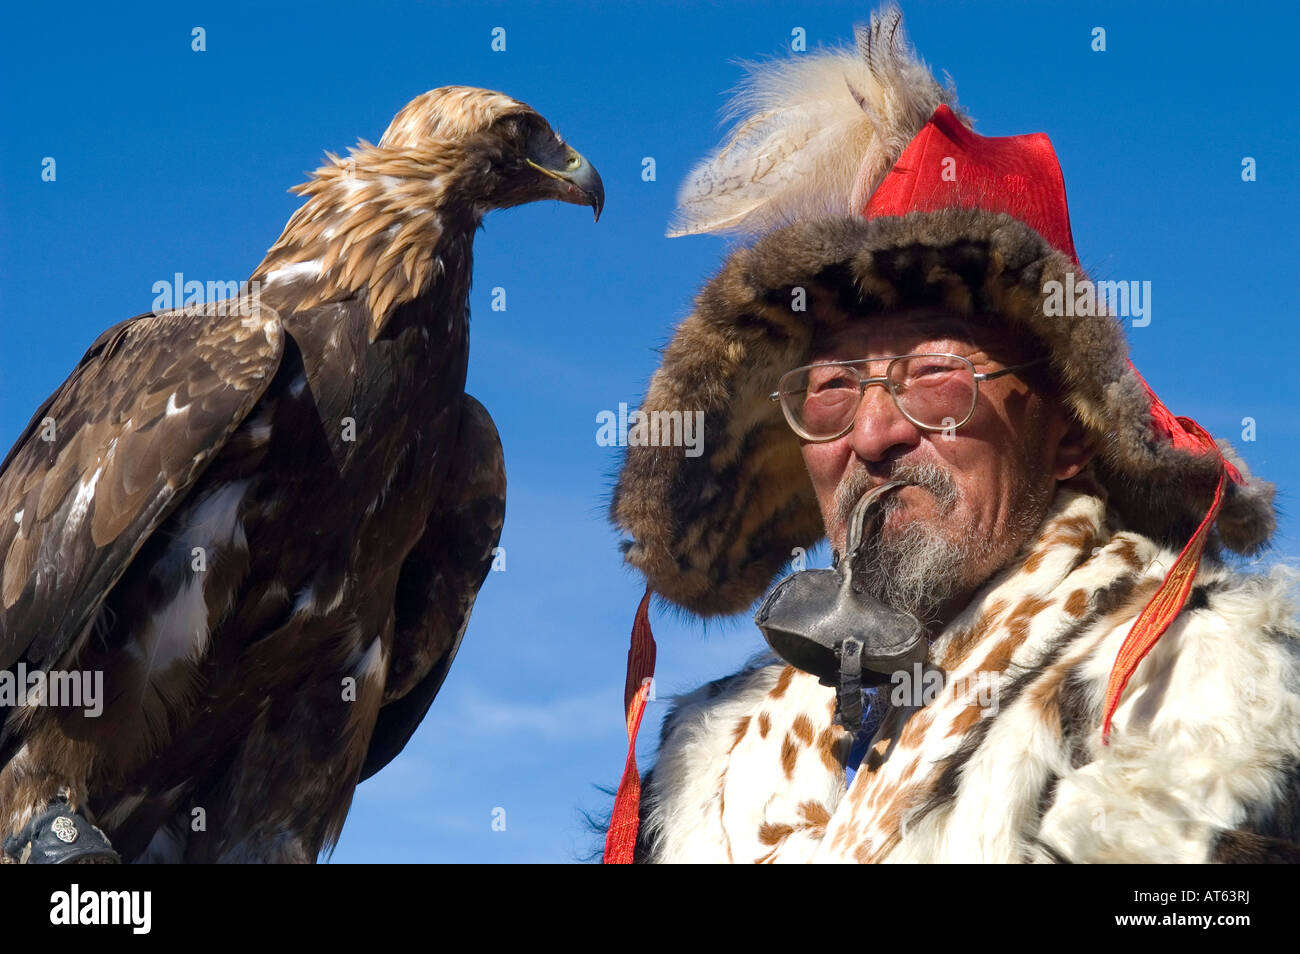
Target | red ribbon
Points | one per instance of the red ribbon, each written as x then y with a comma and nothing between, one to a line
620,840
1169,599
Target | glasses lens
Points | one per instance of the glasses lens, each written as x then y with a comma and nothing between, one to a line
820,400
934,390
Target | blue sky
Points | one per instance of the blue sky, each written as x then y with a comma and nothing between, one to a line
170,160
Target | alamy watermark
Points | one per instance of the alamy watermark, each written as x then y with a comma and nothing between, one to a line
1089,299
921,686
651,429
78,906
210,298
71,689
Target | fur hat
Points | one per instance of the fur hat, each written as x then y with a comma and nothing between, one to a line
854,213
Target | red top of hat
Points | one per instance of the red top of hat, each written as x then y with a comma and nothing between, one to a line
947,165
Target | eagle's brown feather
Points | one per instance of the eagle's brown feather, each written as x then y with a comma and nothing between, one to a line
439,582
109,422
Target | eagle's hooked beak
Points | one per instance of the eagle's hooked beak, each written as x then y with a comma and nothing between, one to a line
579,181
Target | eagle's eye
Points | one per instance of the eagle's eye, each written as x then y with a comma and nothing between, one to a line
540,144
522,128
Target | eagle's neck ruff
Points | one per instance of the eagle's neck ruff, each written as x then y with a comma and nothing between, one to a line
373,222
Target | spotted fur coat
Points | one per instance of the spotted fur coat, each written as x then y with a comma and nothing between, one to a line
1005,761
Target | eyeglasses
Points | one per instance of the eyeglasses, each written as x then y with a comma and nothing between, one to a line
936,392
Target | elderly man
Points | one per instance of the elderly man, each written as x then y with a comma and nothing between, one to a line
981,457
1089,681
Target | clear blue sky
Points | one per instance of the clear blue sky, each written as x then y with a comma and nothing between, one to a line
170,160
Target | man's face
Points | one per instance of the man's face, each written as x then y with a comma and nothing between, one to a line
977,493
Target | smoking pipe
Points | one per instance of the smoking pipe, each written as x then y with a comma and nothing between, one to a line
820,622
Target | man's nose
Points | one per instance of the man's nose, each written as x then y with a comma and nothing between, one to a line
880,430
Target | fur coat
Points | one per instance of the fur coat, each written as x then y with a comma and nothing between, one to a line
1000,758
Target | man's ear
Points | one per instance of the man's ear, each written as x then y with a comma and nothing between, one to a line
1074,449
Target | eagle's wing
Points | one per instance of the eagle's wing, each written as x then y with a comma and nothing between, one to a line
110,453
439,581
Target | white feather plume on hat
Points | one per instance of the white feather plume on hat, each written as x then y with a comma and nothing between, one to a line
818,132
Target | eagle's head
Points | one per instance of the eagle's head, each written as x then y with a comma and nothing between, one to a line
388,219
507,152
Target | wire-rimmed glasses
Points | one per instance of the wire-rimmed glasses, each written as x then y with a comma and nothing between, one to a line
936,392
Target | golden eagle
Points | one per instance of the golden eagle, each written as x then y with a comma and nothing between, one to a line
262,524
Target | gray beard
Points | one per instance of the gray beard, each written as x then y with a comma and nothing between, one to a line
918,569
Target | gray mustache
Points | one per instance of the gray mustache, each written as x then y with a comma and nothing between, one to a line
929,477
